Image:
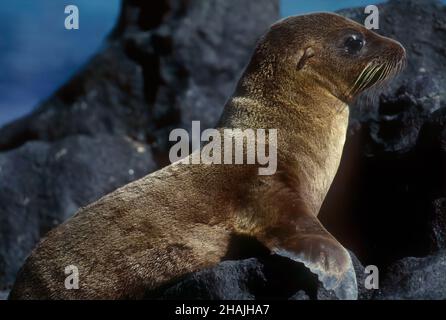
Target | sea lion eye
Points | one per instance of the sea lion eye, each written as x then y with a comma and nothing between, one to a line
353,44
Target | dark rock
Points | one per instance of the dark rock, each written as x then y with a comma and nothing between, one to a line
401,115
230,280
270,277
44,183
300,295
4,295
107,97
200,51
438,235
416,278
363,292
247,279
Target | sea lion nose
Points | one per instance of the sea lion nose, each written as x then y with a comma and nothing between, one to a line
398,48
390,45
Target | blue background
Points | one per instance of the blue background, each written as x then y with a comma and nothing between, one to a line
37,54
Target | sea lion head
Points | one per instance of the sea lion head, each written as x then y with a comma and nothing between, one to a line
327,51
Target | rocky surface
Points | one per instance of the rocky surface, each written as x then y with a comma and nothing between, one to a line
3,295
175,61
267,277
44,183
416,278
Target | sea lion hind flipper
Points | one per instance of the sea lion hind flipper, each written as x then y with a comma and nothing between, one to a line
322,254
332,265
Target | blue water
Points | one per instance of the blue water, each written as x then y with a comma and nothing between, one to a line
37,54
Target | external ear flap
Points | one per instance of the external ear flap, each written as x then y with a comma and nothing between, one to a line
303,56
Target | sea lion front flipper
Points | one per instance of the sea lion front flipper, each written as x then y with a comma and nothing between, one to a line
308,242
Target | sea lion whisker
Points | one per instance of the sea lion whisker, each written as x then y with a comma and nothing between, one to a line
358,79
369,78
382,76
376,71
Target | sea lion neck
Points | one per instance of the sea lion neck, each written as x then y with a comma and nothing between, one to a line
311,133
284,105
302,120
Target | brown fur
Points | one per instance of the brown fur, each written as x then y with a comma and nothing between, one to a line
180,219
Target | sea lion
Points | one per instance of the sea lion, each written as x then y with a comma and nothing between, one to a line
302,75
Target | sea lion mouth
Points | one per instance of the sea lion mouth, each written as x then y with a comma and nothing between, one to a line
376,73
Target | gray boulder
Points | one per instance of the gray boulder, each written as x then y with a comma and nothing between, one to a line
45,183
4,295
416,278
264,277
